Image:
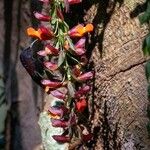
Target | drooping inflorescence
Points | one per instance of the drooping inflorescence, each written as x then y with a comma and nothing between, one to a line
63,60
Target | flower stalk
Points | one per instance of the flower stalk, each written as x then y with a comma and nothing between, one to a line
64,75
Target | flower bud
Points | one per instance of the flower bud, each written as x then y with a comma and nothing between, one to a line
50,65
42,17
58,94
51,84
85,76
84,90
61,138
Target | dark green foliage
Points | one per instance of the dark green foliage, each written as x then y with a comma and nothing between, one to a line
146,45
148,91
144,18
148,111
147,70
148,128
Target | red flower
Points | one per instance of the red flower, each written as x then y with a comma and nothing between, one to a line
42,17
58,111
82,91
49,50
81,43
59,123
51,84
81,105
63,123
50,65
80,30
42,33
74,1
61,138
85,76
58,94
80,47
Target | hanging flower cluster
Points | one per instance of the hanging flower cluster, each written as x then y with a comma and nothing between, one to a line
64,61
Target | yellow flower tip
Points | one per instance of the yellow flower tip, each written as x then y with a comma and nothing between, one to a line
80,30
47,50
53,116
66,45
89,27
33,33
47,89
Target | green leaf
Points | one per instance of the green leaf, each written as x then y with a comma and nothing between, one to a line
146,45
148,111
61,58
71,44
147,70
71,89
144,18
148,92
148,128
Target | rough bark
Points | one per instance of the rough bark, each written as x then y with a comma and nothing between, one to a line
120,88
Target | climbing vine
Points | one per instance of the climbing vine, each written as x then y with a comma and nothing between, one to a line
145,19
60,69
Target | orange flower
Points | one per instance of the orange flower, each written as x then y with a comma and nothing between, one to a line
42,33
80,30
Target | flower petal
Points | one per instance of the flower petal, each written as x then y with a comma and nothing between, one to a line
82,91
42,53
60,111
58,94
51,50
45,33
59,123
33,33
51,84
85,76
80,30
80,43
61,138
42,17
80,51
50,65
89,27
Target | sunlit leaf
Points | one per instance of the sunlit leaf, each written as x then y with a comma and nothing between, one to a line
71,89
61,58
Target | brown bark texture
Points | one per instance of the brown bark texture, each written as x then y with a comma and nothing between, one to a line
118,101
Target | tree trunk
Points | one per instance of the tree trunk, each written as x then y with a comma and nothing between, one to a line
120,88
